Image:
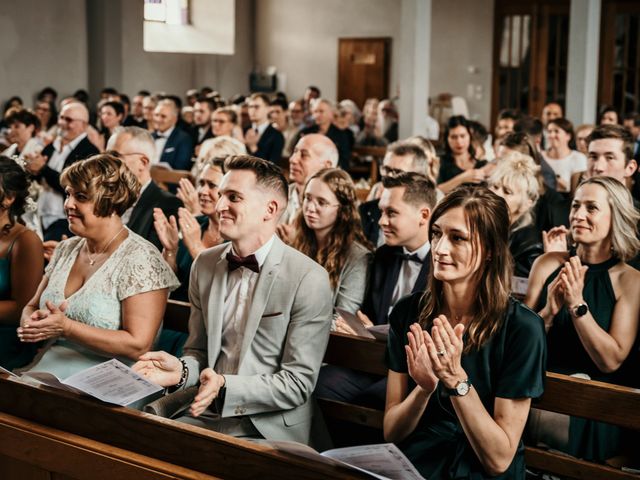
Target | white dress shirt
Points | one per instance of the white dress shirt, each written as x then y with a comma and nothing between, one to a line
51,202
409,272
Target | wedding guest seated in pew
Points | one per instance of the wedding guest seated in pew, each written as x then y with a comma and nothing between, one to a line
198,232
561,155
328,231
465,359
459,163
515,180
260,319
589,299
399,267
21,263
105,289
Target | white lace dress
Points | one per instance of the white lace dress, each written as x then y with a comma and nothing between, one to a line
135,267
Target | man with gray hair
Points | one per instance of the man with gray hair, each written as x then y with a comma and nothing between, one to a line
174,146
136,148
323,113
311,154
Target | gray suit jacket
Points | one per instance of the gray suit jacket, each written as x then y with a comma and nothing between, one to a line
285,339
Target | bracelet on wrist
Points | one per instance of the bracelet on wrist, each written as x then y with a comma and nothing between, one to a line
184,376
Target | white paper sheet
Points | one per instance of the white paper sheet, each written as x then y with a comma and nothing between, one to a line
385,460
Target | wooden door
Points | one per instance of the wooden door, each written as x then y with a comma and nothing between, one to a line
363,68
531,46
619,80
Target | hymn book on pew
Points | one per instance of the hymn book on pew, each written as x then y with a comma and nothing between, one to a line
111,382
377,332
383,461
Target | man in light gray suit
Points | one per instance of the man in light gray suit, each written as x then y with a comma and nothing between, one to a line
260,318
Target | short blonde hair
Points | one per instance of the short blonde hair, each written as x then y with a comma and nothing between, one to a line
106,180
624,217
218,148
517,169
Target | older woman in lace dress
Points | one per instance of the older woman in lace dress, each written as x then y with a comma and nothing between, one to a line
105,290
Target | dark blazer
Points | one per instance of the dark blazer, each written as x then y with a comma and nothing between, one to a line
194,135
525,245
141,221
83,150
130,121
270,145
369,216
178,150
383,276
343,140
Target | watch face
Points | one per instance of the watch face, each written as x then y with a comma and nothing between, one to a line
581,310
462,388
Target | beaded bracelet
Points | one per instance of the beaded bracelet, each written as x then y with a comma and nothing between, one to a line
184,376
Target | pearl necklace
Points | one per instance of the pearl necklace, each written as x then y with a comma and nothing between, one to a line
92,260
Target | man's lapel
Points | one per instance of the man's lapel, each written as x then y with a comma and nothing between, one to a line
215,317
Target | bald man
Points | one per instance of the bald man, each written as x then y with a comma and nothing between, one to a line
312,153
70,146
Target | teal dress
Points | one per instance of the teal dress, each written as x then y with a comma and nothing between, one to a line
510,365
590,440
184,261
13,353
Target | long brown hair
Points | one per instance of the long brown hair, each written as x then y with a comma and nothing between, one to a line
345,231
488,218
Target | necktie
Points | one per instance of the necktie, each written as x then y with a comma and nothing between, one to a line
249,262
409,258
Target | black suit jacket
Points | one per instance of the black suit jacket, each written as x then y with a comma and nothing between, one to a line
194,135
178,150
141,221
83,150
270,145
383,277
342,139
369,216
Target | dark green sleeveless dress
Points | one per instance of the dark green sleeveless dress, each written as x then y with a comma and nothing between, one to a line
590,440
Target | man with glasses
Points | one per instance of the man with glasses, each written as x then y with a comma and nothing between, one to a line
400,157
70,145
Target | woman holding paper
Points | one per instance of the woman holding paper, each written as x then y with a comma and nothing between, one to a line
105,290
465,359
328,230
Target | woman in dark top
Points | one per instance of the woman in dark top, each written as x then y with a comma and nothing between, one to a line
21,264
589,299
514,179
459,165
461,380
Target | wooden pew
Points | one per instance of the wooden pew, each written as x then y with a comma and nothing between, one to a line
47,433
165,177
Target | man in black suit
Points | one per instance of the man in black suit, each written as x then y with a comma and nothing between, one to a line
399,268
136,116
70,146
136,148
201,129
400,157
323,113
173,145
262,139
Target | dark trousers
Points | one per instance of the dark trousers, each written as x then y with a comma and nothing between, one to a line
351,386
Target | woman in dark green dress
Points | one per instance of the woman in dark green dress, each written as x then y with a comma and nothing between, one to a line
589,299
465,359
21,264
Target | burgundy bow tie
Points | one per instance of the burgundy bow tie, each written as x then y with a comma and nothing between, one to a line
249,262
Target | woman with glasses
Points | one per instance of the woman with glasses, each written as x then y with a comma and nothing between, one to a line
329,231
199,231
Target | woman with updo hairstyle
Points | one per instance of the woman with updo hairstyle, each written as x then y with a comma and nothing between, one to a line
105,289
21,263
465,359
328,230
515,180
561,154
589,299
459,164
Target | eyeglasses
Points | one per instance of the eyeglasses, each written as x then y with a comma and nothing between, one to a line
319,203
69,119
390,172
117,154
217,120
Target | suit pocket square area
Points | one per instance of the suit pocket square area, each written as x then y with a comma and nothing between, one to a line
269,315
169,150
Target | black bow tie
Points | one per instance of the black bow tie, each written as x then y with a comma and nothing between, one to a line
409,258
249,262
158,135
